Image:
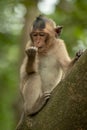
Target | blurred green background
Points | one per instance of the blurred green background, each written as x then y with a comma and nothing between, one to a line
15,20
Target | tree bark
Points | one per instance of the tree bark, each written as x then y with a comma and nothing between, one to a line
67,107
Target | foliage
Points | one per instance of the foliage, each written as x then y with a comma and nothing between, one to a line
69,13
9,54
72,15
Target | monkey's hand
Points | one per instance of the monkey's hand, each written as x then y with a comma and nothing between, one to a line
78,54
31,51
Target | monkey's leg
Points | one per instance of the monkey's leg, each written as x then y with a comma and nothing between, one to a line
20,121
25,119
40,103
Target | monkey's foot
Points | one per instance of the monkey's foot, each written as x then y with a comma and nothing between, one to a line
40,103
46,95
31,51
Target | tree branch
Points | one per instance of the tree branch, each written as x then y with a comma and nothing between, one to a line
67,107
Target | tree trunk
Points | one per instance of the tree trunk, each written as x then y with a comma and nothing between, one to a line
67,107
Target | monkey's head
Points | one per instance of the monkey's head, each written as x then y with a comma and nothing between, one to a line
43,31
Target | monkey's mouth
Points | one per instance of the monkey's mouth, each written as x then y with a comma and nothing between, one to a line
41,48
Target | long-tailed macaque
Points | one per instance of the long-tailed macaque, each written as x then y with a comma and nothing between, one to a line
45,64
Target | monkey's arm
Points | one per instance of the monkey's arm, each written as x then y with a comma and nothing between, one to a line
64,58
31,63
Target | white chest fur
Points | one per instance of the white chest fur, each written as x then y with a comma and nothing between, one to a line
50,72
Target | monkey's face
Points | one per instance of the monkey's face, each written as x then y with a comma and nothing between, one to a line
39,39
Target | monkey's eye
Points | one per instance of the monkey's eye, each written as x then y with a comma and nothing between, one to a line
42,34
34,34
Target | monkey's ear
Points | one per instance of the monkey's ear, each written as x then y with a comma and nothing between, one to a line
58,30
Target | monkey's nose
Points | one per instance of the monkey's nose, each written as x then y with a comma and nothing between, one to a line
38,43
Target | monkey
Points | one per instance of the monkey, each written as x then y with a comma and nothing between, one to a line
45,64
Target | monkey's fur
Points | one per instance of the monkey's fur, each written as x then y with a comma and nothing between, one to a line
44,65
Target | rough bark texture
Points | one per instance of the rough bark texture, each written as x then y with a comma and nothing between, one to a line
67,107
